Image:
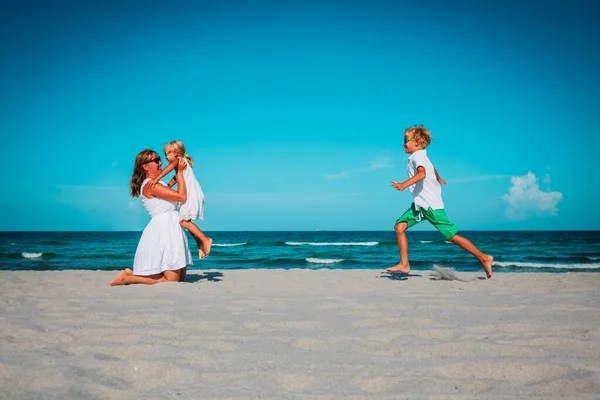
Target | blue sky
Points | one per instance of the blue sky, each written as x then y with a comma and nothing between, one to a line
294,111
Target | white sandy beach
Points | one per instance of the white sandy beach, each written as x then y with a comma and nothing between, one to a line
297,334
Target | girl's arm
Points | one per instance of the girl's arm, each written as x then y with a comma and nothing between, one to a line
164,173
180,195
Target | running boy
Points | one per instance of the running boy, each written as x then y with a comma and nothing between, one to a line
424,183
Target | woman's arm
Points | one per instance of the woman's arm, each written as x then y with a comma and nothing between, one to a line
180,195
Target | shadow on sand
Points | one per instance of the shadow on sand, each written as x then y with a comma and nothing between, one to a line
208,276
397,276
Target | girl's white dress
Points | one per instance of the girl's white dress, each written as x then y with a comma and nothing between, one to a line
193,208
163,245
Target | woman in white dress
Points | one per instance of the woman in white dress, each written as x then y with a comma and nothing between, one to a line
162,254
193,208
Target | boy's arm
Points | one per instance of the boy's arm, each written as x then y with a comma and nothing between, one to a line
440,180
419,176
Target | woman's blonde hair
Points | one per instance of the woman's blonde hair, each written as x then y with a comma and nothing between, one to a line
420,133
179,146
137,178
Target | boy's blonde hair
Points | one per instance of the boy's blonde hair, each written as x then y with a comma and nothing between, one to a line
180,147
420,133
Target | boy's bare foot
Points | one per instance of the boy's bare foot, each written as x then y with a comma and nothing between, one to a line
404,268
120,279
206,246
487,265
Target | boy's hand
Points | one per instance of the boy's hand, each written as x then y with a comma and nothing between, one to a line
441,181
399,185
152,183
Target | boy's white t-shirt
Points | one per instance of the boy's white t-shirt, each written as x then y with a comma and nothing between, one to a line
427,192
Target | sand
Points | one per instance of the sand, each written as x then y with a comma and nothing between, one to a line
298,334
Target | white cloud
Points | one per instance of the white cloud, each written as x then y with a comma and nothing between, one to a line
257,200
480,178
546,179
380,162
526,200
376,163
341,175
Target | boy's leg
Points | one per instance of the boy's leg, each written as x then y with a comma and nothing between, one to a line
403,266
439,219
485,259
204,242
410,218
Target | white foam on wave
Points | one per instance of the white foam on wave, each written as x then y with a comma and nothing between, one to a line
228,244
332,243
543,265
324,260
425,241
31,255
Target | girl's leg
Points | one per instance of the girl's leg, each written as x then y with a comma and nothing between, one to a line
203,241
403,266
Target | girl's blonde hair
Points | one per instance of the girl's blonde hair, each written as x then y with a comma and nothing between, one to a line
137,178
180,147
420,133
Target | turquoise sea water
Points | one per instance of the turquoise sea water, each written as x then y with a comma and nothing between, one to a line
536,251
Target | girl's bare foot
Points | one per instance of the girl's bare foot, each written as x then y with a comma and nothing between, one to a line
206,246
404,268
487,265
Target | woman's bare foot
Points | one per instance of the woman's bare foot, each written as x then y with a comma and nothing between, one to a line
120,279
404,268
487,265
206,246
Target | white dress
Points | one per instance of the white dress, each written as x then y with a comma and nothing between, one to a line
163,245
193,208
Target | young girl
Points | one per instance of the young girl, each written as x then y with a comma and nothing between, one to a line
193,208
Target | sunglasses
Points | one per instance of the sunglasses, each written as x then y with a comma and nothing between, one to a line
156,160
406,140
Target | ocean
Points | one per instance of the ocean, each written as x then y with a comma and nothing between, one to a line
519,251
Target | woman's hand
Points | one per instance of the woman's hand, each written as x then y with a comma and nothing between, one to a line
181,165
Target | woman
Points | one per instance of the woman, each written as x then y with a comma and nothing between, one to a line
162,254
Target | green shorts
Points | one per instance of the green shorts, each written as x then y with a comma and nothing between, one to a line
437,218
